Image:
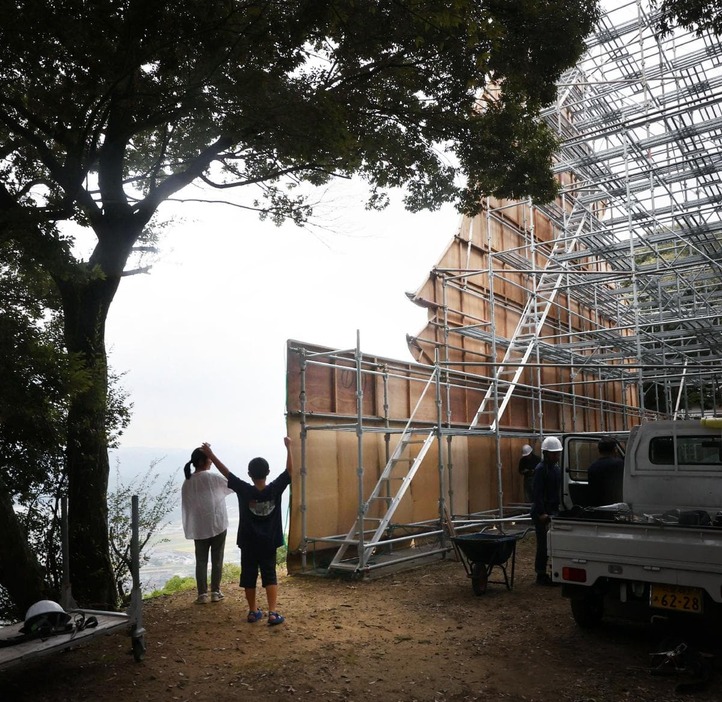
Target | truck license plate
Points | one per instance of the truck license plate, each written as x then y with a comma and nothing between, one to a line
681,599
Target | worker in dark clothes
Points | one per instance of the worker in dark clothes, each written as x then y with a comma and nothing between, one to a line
606,475
546,496
527,463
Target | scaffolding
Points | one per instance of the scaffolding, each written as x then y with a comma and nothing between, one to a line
640,118
611,295
401,416
634,259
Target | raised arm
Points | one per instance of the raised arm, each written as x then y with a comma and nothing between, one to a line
215,460
289,457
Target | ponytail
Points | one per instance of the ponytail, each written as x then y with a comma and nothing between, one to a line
198,458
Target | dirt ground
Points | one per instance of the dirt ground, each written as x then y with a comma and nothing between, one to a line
416,635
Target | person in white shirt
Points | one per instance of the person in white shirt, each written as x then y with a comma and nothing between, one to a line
205,520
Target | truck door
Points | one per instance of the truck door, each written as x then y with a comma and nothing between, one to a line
580,451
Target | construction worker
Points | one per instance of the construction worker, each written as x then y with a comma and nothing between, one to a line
546,492
606,474
527,463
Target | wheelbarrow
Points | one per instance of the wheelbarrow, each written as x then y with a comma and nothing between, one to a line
480,553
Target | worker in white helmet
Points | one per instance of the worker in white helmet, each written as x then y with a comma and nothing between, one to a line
527,463
546,494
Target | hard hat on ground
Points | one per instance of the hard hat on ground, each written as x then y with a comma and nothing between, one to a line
551,443
44,614
526,450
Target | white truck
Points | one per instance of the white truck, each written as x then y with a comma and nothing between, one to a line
658,553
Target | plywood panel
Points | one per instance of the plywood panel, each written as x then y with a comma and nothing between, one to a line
344,388
321,486
482,474
421,500
348,478
457,476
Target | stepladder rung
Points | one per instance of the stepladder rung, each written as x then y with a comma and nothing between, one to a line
396,461
351,566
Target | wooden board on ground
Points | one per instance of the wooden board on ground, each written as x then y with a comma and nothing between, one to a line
108,622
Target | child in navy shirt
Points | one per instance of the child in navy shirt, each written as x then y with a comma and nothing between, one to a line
260,528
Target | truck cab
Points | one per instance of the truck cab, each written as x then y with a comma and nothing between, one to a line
674,465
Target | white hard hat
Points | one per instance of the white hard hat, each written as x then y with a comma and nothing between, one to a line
42,614
526,450
551,443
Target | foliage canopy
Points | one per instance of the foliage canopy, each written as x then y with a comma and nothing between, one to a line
113,106
698,15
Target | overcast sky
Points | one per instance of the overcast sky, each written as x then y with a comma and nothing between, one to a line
202,338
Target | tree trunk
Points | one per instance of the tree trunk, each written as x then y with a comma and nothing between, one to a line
22,576
85,306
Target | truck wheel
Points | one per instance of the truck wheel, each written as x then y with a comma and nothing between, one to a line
479,579
587,611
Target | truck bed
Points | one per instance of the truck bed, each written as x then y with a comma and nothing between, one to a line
677,555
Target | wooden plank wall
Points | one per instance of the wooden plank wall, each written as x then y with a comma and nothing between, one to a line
468,463
468,302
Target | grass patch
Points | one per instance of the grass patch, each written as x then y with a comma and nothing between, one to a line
175,584
231,572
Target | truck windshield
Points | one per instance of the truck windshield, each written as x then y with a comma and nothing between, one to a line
580,452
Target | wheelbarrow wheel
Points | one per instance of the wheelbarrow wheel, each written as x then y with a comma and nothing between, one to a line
479,578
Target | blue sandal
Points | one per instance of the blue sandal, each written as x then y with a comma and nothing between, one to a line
275,618
253,617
